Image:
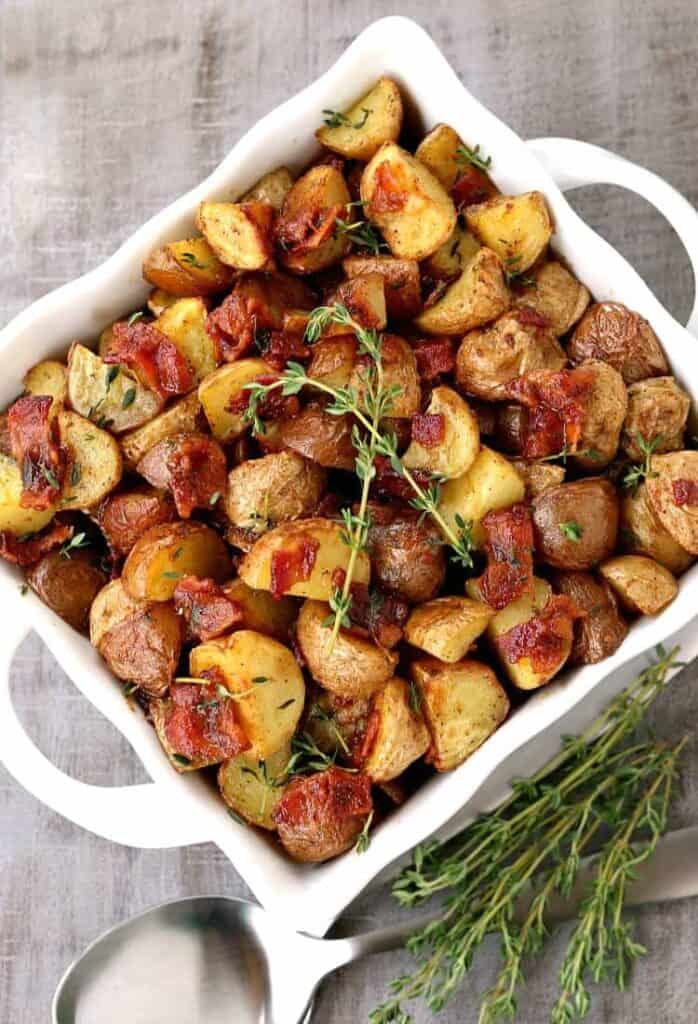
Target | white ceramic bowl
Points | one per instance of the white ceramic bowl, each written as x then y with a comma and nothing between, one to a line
177,810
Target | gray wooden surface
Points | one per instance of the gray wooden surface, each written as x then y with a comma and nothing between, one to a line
111,108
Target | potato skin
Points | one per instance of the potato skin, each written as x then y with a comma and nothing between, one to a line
187,268
604,414
538,477
68,585
478,295
125,517
407,557
556,295
615,334
398,733
447,626
681,521
165,553
592,504
399,370
183,416
144,648
657,409
321,437
276,488
401,278
454,454
642,533
642,584
603,629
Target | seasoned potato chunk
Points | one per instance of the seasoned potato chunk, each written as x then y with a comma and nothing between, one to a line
401,279
642,533
673,496
438,151
183,416
184,323
260,611
407,559
657,412
604,414
602,629
158,300
306,227
238,233
576,524
399,370
320,436
397,733
450,450
222,387
279,487
189,267
374,119
449,261
364,297
407,203
615,334
490,483
108,395
478,295
332,360
354,668
253,788
169,551
447,626
95,462
517,228
13,517
68,585
272,188
463,704
336,724
48,378
642,584
556,295
538,477
125,517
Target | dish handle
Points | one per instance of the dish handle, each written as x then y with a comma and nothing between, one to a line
572,164
143,815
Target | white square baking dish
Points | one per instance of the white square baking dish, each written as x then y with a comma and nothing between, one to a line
178,810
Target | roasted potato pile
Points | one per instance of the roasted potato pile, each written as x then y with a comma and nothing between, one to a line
369,459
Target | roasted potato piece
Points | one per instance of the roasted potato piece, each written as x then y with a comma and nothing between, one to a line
374,119
642,584
554,294
399,370
517,228
238,233
220,388
401,279
261,612
108,394
265,681
253,788
673,496
397,732
642,533
605,409
490,358
364,297
407,203
312,200
48,378
13,517
336,724
184,323
185,268
478,295
265,492
354,668
447,626
158,302
111,606
438,151
576,524
169,551
183,416
490,483
195,727
657,411
448,262
407,559
453,452
615,334
95,462
463,704
538,477
320,436
272,188
602,630
332,360
299,559
125,517
68,585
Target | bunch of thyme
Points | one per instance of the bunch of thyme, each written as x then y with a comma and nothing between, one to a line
609,780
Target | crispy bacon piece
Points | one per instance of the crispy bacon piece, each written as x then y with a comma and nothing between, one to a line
292,563
308,230
197,472
27,552
202,725
155,359
472,186
320,816
274,405
379,615
206,610
528,316
509,550
390,191
36,450
363,748
685,492
557,402
428,429
434,356
543,638
389,484
280,346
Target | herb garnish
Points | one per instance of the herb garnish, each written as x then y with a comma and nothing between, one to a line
638,472
79,540
75,474
134,316
361,233
363,840
335,119
466,155
572,530
190,260
129,398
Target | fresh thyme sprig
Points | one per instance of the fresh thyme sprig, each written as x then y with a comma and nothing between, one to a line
608,778
335,119
640,471
466,155
361,233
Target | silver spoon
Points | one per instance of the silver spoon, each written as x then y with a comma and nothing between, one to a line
216,960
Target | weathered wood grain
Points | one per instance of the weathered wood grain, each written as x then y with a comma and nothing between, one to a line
111,109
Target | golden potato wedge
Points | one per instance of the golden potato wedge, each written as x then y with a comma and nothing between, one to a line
605,410
361,130
252,788
314,195
158,302
238,233
407,203
48,378
111,606
642,585
447,626
671,491
399,370
556,294
399,734
449,261
462,704
13,517
264,679
438,151
479,295
657,412
538,477
183,416
107,394
217,391
187,268
274,489
354,668
642,533
95,462
336,724
517,228
167,552
402,293
490,483
272,188
364,298
455,452
261,612
184,323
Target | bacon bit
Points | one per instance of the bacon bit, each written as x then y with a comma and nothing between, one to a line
473,186
150,353
509,550
26,552
207,611
36,450
282,346
293,563
308,230
364,746
325,798
543,638
390,191
197,471
373,613
389,484
557,400
201,725
434,356
529,317
274,405
685,492
428,429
